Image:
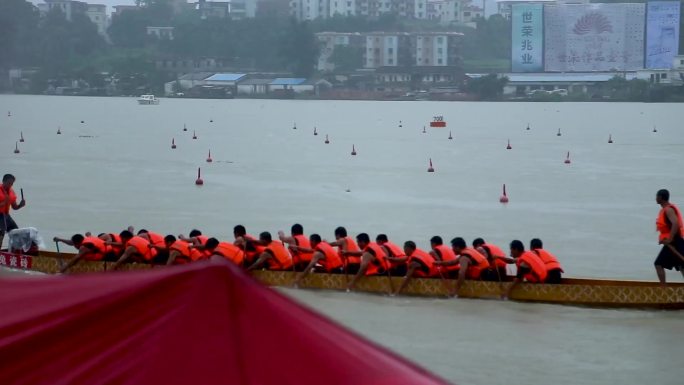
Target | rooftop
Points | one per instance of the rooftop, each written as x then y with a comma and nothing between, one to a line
196,76
253,82
223,77
287,81
566,77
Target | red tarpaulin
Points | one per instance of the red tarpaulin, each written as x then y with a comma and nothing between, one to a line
199,324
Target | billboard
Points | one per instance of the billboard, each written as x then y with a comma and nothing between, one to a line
594,37
662,33
528,36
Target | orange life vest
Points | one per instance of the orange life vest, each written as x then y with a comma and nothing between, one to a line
202,239
446,254
253,251
351,246
281,257
156,239
426,259
478,262
664,226
230,252
299,256
538,273
379,264
394,252
4,209
186,253
550,260
332,260
117,250
495,251
141,247
99,245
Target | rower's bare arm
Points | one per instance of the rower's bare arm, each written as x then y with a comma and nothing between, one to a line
302,249
285,239
262,259
366,259
71,262
350,253
65,241
508,260
397,259
316,257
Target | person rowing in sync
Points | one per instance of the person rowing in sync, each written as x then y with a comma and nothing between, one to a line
530,267
157,240
497,267
470,262
297,243
89,248
671,235
135,248
345,244
194,238
395,255
321,253
441,252
554,271
275,256
373,259
223,249
420,264
249,244
180,252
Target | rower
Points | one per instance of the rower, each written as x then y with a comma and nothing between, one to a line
296,243
395,255
195,238
135,248
373,259
274,254
156,240
530,266
497,267
440,252
8,199
180,252
671,228
554,270
470,262
224,249
89,248
249,245
420,264
345,244
321,253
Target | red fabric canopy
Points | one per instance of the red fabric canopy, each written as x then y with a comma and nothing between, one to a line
203,324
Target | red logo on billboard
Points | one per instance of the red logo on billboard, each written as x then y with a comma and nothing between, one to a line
592,22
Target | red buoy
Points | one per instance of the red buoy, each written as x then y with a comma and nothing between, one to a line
430,168
424,130
209,160
400,125
16,147
450,137
199,180
21,137
353,150
567,158
194,135
315,132
610,138
504,197
559,133
326,139
508,147
59,131
173,143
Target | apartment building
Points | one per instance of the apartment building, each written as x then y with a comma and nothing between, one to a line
329,41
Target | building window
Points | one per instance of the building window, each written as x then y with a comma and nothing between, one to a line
390,50
390,61
439,61
681,62
439,50
348,3
440,40
663,76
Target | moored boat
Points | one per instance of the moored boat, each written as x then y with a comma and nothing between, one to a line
572,291
148,100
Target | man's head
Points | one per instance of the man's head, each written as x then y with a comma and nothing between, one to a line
436,241
265,237
340,232
169,240
77,240
362,240
478,242
314,239
195,233
662,196
297,229
409,247
239,231
211,244
8,181
381,239
517,248
536,243
125,235
458,244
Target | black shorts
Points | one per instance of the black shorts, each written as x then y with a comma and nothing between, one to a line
7,224
554,276
493,275
669,260
352,268
398,271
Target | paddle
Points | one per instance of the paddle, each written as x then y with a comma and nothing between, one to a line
60,261
21,190
446,285
675,252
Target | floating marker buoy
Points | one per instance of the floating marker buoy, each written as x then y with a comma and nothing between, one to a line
173,143
508,147
9,113
347,190
654,129
194,135
199,180
211,120
610,138
16,147
353,150
424,130
559,133
450,137
567,158
400,124
528,127
209,160
294,126
59,131
326,139
21,137
504,197
82,121
315,132
430,168
185,128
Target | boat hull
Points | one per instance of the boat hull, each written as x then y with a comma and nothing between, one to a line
580,292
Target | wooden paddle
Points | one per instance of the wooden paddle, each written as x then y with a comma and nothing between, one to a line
21,190
60,261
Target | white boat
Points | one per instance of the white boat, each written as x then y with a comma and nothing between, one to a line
148,99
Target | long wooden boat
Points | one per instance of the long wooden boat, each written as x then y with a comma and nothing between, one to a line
573,291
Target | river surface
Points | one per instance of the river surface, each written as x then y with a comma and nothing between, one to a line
596,214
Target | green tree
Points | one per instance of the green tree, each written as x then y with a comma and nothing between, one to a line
299,49
18,33
489,87
347,58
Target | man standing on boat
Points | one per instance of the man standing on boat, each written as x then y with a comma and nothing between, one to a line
8,199
669,225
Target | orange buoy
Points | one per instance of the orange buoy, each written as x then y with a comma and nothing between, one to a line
209,160
59,131
559,133
567,158
16,147
21,137
450,137
508,147
194,135
610,138
424,130
326,139
504,197
430,168
315,132
199,180
173,143
185,128
353,150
